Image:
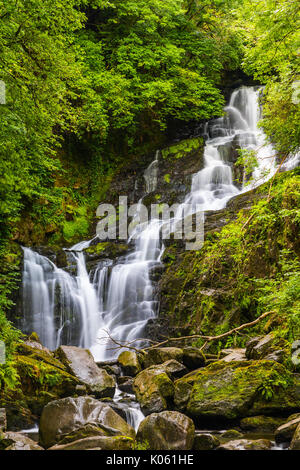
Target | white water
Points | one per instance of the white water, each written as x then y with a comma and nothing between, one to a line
119,299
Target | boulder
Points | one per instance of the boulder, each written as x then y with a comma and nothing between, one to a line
71,419
97,443
261,424
81,364
125,384
174,369
129,362
18,441
237,390
205,441
168,430
286,431
193,358
267,347
232,434
295,444
153,389
234,355
160,355
3,422
246,444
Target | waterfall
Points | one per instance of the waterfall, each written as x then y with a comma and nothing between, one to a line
118,300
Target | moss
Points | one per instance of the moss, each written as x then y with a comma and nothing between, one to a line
183,148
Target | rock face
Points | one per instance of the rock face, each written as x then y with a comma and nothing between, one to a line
129,362
17,441
153,389
246,444
160,355
286,431
97,443
72,419
236,390
168,430
81,364
295,444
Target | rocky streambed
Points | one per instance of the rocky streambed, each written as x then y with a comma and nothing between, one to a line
165,399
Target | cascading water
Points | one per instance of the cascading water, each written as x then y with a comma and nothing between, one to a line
119,300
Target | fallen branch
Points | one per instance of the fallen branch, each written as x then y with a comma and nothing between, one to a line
207,339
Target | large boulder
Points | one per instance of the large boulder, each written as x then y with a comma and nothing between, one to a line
295,444
97,443
237,390
168,430
81,364
154,389
18,441
129,362
246,444
160,355
286,431
205,441
71,419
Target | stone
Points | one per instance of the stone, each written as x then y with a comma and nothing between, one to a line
246,444
174,369
3,422
205,441
71,419
295,444
266,347
160,355
129,362
286,431
153,389
235,355
168,430
261,424
193,358
234,390
97,443
232,434
125,384
81,364
18,441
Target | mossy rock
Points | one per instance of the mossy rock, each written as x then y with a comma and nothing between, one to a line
114,443
153,389
261,424
183,148
160,355
106,250
238,389
130,363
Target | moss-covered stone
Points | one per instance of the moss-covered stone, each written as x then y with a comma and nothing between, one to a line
129,362
98,443
238,389
261,424
183,148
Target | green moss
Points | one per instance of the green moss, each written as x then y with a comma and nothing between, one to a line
183,148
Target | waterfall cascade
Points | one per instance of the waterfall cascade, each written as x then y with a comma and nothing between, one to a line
119,300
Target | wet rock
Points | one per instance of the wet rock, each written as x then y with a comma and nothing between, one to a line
97,443
286,431
295,444
193,358
246,444
160,355
153,389
71,419
168,430
205,441
126,384
105,250
129,362
18,441
261,424
112,370
3,422
81,364
174,369
233,390
231,434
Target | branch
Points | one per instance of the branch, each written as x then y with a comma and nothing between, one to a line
207,339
